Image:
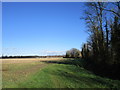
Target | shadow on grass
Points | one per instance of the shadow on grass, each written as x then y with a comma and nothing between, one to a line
82,78
93,68
70,61
81,63
89,81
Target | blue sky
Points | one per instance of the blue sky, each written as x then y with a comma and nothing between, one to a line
42,28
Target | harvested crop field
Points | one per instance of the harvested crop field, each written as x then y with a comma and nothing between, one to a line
29,60
17,70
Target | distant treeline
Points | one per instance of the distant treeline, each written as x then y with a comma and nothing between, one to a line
32,56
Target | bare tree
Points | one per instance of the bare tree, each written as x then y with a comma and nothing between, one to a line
73,53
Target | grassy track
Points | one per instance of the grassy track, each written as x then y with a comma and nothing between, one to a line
53,74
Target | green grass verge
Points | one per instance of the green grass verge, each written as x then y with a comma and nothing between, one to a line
56,74
68,76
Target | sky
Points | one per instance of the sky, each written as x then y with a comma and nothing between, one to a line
42,28
0,29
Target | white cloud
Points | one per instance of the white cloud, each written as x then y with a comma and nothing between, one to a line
22,51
